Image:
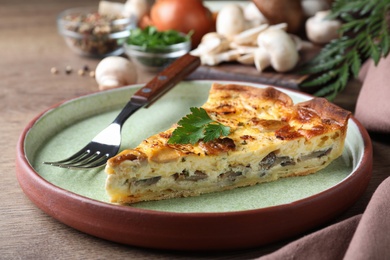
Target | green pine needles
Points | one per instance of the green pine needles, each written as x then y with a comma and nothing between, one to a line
364,34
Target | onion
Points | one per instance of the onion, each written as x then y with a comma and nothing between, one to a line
183,16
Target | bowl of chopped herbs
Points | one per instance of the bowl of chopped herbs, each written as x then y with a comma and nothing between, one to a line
153,50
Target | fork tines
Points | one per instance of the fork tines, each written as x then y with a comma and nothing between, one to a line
85,159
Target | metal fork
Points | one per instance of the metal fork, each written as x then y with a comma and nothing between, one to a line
106,144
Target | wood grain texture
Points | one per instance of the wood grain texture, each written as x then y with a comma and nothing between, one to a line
29,47
236,71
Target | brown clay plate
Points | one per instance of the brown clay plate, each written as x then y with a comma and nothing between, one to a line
241,218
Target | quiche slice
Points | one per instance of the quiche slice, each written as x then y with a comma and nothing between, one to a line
270,138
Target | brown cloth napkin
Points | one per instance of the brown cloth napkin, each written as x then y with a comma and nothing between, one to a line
373,104
361,237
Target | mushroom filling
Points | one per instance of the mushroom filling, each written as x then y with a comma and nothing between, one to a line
316,154
272,160
230,175
147,182
185,176
267,163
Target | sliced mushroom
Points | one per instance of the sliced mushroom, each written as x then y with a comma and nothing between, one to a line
272,160
243,49
147,182
249,36
268,161
230,175
316,154
285,161
278,26
212,43
247,59
185,176
215,59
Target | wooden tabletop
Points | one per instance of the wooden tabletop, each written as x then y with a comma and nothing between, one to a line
29,47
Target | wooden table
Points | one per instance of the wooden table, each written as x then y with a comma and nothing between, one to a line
29,47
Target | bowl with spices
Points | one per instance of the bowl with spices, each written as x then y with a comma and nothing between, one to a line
153,50
89,33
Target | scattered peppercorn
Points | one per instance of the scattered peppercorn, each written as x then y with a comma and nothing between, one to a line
81,72
68,69
54,70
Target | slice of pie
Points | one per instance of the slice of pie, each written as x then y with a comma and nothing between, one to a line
269,138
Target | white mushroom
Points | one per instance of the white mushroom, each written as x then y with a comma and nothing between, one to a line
230,20
279,26
115,71
249,36
261,59
301,44
247,59
243,49
137,8
211,43
253,15
215,59
110,8
321,30
280,48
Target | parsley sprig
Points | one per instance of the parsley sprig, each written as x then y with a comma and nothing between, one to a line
150,37
365,34
197,126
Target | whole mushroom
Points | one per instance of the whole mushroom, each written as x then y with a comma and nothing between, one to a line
137,8
280,48
110,8
114,72
211,43
261,59
253,15
231,21
321,30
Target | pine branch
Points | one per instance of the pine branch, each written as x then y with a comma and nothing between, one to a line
365,34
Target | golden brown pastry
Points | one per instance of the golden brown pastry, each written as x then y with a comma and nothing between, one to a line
269,138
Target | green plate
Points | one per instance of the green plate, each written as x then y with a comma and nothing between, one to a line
67,128
236,219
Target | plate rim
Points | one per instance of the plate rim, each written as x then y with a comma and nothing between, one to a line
30,181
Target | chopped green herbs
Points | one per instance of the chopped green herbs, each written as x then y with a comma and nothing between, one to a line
150,37
197,126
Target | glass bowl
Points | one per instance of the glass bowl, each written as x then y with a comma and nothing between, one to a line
156,58
90,34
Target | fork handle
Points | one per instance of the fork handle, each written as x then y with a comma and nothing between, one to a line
166,80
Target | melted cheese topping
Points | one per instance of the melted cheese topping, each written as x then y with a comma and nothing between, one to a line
270,138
